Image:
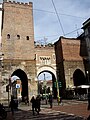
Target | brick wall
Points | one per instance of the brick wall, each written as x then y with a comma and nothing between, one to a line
17,49
47,53
18,23
68,59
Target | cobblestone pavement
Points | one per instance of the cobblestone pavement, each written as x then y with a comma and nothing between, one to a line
69,110
78,108
45,114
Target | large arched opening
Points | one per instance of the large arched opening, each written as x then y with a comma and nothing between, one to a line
24,81
79,78
48,84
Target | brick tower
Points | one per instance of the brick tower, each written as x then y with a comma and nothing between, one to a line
17,31
18,44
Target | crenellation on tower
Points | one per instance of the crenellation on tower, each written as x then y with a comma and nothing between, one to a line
22,3
19,3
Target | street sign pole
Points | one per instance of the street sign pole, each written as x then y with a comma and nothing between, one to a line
57,89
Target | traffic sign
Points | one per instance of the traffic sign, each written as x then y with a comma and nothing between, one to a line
17,85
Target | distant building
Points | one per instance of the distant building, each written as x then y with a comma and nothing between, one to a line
85,47
17,89
47,83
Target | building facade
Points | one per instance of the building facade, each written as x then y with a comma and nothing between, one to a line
21,58
85,48
18,44
46,62
69,63
27,61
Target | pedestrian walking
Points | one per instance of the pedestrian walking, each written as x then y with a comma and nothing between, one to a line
50,100
33,101
60,100
38,103
26,100
12,104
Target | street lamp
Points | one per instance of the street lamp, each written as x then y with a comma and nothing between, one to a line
45,88
57,79
45,84
88,76
87,79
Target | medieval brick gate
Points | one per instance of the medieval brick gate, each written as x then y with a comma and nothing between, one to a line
46,62
21,57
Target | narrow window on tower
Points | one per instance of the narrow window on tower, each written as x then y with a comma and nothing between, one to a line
18,37
8,36
27,37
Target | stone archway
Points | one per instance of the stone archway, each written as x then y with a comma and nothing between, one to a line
52,71
79,78
46,68
24,80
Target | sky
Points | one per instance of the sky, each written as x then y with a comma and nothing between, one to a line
55,18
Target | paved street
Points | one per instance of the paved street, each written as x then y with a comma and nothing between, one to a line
70,110
45,114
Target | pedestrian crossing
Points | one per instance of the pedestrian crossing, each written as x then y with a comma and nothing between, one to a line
45,114
65,103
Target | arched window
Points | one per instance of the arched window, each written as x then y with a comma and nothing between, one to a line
27,37
8,36
79,78
18,37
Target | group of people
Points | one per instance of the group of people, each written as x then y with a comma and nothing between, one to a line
36,104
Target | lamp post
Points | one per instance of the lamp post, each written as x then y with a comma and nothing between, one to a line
88,77
58,93
45,88
45,84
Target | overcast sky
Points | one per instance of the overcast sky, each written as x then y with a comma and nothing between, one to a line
71,15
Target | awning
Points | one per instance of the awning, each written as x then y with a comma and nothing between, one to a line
14,78
83,86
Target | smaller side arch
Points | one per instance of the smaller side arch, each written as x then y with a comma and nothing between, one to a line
24,80
79,77
53,73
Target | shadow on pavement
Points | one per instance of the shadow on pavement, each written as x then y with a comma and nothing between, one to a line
43,115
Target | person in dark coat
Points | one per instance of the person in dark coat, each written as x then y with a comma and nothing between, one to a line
38,102
50,100
33,101
12,104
